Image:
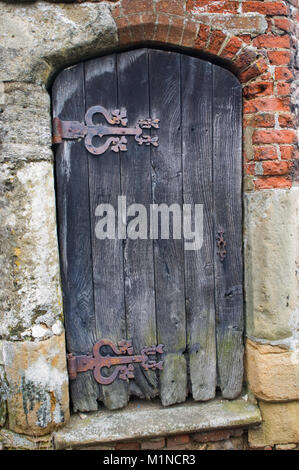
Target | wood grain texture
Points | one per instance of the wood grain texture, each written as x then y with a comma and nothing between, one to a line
107,254
154,291
227,164
133,93
74,233
198,189
164,78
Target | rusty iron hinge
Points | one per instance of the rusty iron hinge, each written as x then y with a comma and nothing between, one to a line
89,130
123,361
221,244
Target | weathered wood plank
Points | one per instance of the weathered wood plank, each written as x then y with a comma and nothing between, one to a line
74,233
227,164
196,78
164,78
104,185
133,94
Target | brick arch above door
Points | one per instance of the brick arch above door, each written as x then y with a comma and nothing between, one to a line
181,31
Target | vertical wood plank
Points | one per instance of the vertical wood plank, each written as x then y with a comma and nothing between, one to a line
227,164
198,189
164,77
133,94
74,233
104,185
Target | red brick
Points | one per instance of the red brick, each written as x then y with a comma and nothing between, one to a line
246,58
279,57
162,28
249,169
273,136
179,447
245,37
283,23
258,89
283,73
149,26
261,120
238,432
136,6
136,26
212,436
153,444
202,6
178,440
231,48
265,153
286,152
174,7
267,104
272,41
283,89
267,76
237,22
255,70
273,182
176,31
216,41
202,37
116,11
276,168
127,446
124,31
189,34
266,8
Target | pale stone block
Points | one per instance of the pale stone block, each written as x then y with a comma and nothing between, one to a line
253,23
279,425
41,36
30,292
272,372
38,400
147,420
270,263
286,446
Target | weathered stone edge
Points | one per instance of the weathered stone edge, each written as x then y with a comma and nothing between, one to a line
155,421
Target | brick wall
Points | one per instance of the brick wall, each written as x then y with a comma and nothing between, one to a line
224,439
257,41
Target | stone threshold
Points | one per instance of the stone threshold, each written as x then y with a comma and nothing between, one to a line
146,420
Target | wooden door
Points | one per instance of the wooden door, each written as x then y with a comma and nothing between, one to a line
154,291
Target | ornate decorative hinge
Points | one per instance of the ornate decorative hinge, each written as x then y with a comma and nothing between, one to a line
221,244
123,361
89,130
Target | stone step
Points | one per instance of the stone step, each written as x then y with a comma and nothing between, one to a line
145,420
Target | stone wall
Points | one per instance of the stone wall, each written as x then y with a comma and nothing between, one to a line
254,39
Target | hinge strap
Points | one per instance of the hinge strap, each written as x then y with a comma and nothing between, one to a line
123,361
76,130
